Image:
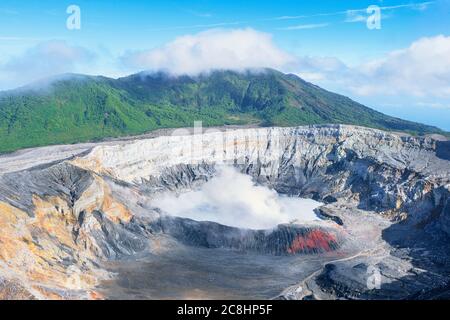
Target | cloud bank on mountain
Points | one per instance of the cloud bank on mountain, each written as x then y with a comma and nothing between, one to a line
235,50
422,69
46,59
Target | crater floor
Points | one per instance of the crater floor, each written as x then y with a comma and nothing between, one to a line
80,222
200,273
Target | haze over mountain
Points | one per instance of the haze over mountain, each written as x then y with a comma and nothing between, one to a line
79,108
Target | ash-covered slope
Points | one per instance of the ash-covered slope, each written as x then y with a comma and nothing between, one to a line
388,207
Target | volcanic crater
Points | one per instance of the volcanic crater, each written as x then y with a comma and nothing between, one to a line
80,221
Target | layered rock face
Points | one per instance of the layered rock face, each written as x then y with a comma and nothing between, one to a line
384,172
57,223
63,217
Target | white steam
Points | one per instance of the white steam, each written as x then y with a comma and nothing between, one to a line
231,198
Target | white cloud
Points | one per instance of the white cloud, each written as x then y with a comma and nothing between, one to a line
434,105
353,16
306,26
358,16
44,60
360,13
422,69
237,49
233,199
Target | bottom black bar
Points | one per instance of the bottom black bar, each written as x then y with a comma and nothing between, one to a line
275,309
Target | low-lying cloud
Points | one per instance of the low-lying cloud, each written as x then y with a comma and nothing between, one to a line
422,69
232,198
237,49
417,73
47,59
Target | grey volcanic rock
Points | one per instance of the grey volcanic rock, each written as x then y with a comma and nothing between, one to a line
280,241
18,188
398,176
326,214
115,240
386,207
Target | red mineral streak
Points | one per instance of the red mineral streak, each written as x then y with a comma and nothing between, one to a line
316,239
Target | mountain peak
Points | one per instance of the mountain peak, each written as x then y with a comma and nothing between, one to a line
76,110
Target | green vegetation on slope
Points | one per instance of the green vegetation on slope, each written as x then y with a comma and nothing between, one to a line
81,108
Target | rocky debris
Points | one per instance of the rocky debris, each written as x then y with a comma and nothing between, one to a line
12,290
116,240
380,171
385,194
397,279
58,223
325,213
283,240
60,180
178,178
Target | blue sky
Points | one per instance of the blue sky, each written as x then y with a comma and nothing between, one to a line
323,41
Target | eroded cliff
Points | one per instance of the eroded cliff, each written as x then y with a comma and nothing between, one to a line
64,217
